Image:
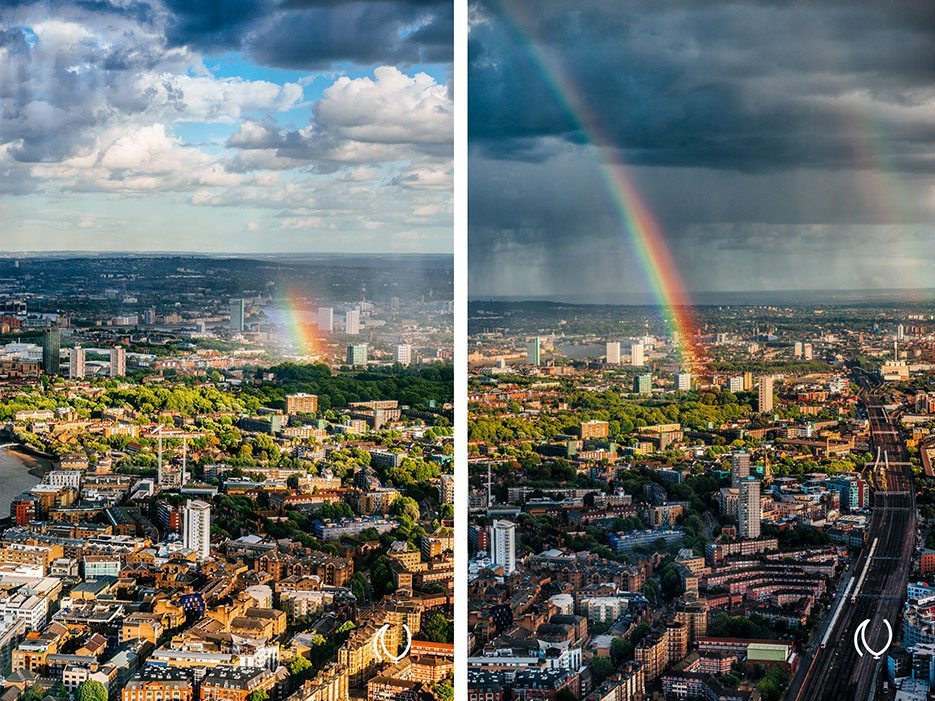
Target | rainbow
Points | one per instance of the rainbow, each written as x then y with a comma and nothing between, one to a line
304,334
876,174
877,177
647,237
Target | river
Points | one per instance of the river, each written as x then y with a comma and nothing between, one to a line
580,351
16,476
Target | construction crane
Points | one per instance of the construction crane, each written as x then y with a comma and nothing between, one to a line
160,432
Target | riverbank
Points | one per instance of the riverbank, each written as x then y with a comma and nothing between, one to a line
38,465
37,462
19,472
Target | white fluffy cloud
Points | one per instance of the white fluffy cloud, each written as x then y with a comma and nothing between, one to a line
389,133
426,179
392,117
128,160
104,106
209,99
63,83
391,108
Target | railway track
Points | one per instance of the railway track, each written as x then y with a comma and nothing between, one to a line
839,671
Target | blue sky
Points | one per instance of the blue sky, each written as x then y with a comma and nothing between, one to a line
234,65
279,126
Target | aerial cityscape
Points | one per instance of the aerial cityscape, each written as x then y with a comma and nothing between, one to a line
219,488
467,350
226,351
701,351
715,530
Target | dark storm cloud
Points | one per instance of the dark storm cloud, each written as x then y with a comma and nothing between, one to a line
214,25
550,229
141,11
751,86
364,33
301,34
308,34
301,4
778,144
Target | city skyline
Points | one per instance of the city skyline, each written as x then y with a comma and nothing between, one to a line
797,158
308,255
240,360
165,126
669,525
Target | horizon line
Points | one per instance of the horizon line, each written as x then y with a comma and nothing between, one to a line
215,254
561,299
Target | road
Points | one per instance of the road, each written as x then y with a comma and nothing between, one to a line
837,672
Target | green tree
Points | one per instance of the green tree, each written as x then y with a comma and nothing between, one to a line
299,665
407,506
727,626
381,577
338,509
359,587
445,690
258,695
345,627
620,650
34,693
91,690
601,668
773,684
731,681
438,629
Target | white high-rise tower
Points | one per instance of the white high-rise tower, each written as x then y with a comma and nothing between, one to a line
196,527
765,395
352,322
326,319
533,351
503,545
638,354
237,313
76,367
403,354
683,381
739,467
118,361
749,510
